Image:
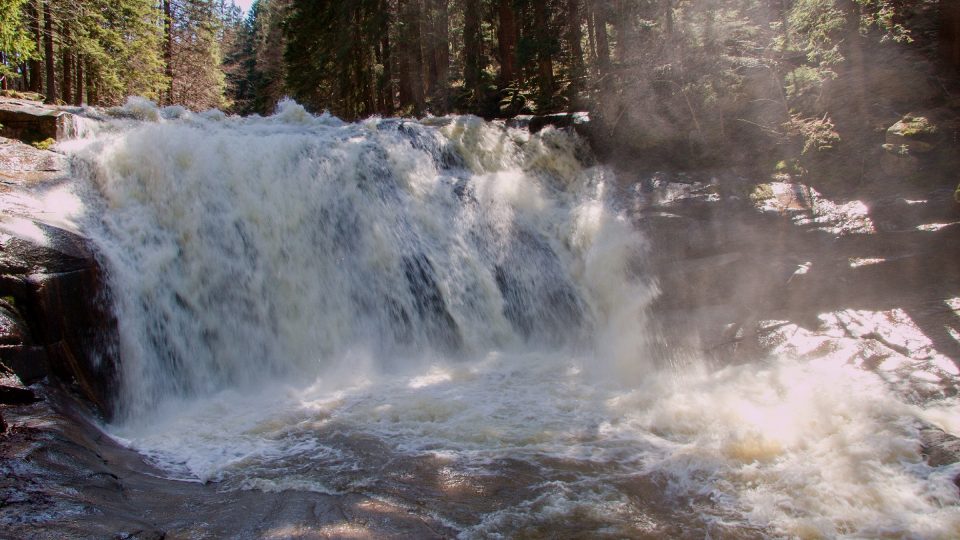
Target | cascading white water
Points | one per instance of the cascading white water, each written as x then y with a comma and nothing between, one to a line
251,249
439,310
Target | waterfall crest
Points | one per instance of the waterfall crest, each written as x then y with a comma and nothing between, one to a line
241,249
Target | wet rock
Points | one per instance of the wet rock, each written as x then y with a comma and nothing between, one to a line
912,134
12,395
751,269
27,362
939,448
24,165
577,120
61,477
13,331
438,324
809,208
31,122
59,326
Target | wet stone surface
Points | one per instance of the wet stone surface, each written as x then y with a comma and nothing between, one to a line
60,477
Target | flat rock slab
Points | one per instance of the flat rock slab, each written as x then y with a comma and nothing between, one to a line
31,122
24,165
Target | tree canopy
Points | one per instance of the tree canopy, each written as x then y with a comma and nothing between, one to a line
694,74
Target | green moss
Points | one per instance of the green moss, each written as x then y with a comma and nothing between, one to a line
761,193
44,144
789,166
916,127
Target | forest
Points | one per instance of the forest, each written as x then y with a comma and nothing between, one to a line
700,81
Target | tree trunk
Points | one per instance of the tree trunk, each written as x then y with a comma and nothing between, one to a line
78,95
168,47
36,67
950,32
66,58
364,91
600,35
592,36
574,37
472,44
48,52
386,84
507,43
541,16
441,51
411,65
93,97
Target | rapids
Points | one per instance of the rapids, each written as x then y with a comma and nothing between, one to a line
451,315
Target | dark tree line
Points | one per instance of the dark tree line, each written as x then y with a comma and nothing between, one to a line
98,52
674,76
503,57
491,57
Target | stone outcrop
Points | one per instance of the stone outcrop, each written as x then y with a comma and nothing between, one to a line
912,134
750,270
53,323
577,121
30,122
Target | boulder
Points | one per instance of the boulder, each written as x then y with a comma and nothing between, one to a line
16,395
578,121
30,122
912,134
54,322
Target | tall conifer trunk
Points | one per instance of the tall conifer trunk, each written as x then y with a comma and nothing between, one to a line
507,42
472,44
36,66
574,37
48,53
78,92
541,16
168,47
66,59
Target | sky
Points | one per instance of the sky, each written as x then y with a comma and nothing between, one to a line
244,4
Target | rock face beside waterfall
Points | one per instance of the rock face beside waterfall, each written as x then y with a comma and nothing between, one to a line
53,323
750,269
31,122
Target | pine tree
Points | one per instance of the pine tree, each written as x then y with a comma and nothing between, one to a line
196,31
16,45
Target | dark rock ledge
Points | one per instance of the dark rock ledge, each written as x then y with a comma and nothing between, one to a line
53,324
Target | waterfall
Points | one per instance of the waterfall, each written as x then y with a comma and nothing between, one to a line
451,315
245,249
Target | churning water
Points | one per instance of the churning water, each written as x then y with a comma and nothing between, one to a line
450,315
